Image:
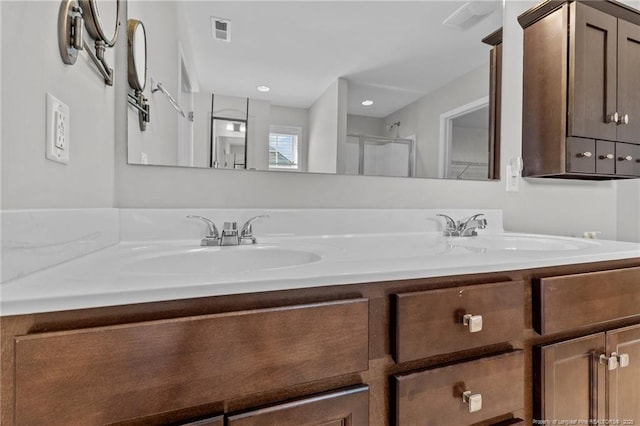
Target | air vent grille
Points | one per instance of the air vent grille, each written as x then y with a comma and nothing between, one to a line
221,29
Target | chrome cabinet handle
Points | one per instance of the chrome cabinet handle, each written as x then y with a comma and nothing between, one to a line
473,400
623,360
613,118
474,322
627,158
623,119
606,157
586,154
611,362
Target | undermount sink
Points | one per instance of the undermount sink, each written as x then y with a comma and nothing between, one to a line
220,260
522,243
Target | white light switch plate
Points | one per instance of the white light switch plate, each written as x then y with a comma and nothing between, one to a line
58,130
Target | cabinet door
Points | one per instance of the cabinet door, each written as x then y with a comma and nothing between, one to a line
592,73
569,381
624,382
628,81
348,407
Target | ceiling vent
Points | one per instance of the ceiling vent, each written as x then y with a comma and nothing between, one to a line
221,29
470,14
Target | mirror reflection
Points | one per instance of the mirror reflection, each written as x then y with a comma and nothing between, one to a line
386,88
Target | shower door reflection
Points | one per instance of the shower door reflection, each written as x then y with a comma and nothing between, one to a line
380,156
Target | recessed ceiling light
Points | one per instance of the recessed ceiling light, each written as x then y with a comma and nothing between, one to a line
263,88
367,102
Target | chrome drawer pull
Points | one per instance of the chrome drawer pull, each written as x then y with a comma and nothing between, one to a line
611,362
627,158
606,157
474,401
474,322
613,118
623,360
584,154
623,119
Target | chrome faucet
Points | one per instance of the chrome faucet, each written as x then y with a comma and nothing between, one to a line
230,235
464,227
467,227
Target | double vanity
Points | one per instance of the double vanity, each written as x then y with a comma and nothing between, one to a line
309,327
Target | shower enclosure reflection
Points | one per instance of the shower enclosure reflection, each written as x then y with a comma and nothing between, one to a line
380,156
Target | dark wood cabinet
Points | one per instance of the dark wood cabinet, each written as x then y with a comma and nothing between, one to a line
581,99
589,379
348,407
394,352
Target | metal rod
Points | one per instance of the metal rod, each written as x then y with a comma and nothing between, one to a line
172,101
135,105
102,66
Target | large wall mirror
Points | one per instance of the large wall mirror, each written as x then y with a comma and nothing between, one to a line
387,88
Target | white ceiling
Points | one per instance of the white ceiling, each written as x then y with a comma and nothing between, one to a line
392,52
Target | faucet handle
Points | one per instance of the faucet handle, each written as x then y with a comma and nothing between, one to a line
451,229
246,232
212,236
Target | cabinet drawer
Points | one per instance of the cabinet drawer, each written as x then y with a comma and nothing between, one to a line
115,373
430,322
346,407
434,397
572,301
627,159
581,156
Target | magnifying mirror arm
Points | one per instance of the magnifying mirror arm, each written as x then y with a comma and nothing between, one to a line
171,99
98,59
139,102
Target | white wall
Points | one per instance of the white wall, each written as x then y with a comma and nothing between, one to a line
201,129
323,131
362,125
422,117
31,67
30,181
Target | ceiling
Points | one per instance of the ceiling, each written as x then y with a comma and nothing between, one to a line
392,52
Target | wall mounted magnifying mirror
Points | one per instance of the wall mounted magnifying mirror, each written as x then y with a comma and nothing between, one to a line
323,89
137,70
101,19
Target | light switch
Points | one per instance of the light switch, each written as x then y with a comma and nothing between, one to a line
57,138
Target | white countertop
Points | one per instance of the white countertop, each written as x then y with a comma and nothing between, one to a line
126,273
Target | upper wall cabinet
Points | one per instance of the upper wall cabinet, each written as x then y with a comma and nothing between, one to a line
581,100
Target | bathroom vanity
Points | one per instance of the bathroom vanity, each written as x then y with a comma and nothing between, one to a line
454,331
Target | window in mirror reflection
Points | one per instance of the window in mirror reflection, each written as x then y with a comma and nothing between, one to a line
284,152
